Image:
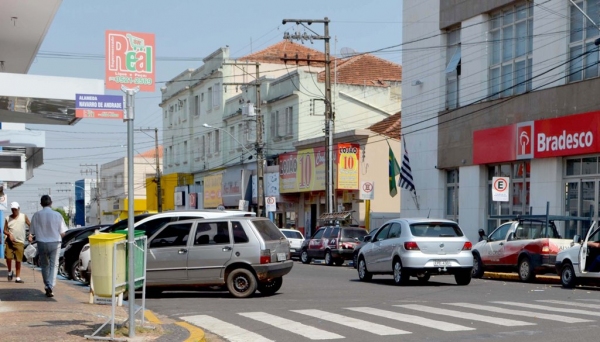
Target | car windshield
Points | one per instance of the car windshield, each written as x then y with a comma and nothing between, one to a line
267,230
438,229
291,234
351,233
121,225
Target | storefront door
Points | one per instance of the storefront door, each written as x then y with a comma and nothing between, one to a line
581,199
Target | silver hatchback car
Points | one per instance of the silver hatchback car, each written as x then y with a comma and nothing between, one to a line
244,254
418,248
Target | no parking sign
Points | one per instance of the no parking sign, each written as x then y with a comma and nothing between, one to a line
500,188
270,204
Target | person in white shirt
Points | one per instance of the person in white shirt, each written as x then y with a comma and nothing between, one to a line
48,227
14,229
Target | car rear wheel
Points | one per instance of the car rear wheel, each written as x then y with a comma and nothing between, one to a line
400,278
567,276
241,283
526,272
328,258
304,257
61,268
270,287
363,274
477,271
463,277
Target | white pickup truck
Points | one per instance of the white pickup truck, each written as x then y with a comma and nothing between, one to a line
575,264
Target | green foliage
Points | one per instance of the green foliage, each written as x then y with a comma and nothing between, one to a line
64,215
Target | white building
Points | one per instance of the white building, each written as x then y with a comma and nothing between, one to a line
501,88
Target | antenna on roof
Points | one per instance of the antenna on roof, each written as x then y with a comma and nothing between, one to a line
347,52
429,213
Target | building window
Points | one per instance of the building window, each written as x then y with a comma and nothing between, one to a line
177,153
202,146
185,110
289,121
165,113
209,147
453,58
196,148
232,142
185,152
217,142
171,115
511,38
452,181
216,95
274,125
518,204
171,157
241,134
582,36
196,106
209,102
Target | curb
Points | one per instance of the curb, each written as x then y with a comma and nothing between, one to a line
151,317
196,334
514,276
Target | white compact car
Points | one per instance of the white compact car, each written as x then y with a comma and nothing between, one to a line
418,248
150,223
580,264
295,238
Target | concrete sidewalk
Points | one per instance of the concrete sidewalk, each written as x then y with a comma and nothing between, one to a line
28,315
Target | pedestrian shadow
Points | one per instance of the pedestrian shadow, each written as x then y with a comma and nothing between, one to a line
55,323
23,295
88,328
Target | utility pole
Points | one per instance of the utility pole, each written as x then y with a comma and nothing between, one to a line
328,108
259,145
158,173
70,213
90,171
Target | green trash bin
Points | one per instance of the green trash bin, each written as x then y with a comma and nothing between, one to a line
138,256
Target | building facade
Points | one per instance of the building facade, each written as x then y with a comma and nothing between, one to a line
512,94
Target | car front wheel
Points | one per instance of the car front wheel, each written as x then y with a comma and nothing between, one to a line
304,257
567,276
328,258
241,283
363,274
270,287
400,278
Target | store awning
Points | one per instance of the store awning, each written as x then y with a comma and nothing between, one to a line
339,216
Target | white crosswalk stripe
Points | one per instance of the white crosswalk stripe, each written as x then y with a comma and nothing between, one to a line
466,315
229,331
374,328
564,302
291,326
426,322
532,314
548,308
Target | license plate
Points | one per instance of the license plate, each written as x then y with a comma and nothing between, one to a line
440,262
280,256
292,250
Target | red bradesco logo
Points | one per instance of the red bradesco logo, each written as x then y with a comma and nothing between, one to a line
525,140
130,60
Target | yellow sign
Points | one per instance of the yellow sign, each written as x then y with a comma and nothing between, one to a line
347,166
212,191
302,171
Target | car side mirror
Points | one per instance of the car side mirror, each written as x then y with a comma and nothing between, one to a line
367,238
577,239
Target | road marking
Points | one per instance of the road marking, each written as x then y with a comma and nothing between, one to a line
426,322
151,317
466,315
374,328
531,314
196,334
581,305
548,308
291,326
226,330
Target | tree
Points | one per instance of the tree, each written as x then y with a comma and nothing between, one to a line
64,215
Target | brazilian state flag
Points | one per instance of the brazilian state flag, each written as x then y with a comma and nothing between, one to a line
393,171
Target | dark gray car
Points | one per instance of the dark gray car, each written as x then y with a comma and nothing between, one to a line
243,253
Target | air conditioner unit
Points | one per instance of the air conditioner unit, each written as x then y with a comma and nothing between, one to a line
248,109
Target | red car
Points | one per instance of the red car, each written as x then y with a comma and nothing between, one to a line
334,244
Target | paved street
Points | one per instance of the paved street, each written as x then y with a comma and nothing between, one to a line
318,302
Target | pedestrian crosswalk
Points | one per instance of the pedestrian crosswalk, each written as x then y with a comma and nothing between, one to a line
399,319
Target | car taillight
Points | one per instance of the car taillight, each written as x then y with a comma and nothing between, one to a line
467,247
411,246
265,256
545,249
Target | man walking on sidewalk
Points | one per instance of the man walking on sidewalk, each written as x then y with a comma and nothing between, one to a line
48,227
14,229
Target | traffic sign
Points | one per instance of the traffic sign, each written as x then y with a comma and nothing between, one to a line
367,190
270,204
500,189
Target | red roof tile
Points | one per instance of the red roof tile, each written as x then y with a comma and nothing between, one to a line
365,70
389,126
286,49
151,153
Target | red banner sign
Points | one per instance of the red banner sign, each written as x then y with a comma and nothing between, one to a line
564,136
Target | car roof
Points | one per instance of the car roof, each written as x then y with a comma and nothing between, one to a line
422,220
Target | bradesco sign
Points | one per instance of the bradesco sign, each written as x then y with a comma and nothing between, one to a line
564,136
130,60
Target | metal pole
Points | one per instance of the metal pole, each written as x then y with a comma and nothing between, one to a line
97,194
328,119
130,105
158,187
260,158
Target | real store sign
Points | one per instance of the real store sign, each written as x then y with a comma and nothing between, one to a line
130,60
557,137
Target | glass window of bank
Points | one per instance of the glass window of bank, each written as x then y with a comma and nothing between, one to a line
581,192
519,202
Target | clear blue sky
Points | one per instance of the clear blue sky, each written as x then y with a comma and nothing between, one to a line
186,30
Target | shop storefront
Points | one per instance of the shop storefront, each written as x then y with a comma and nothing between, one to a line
551,160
